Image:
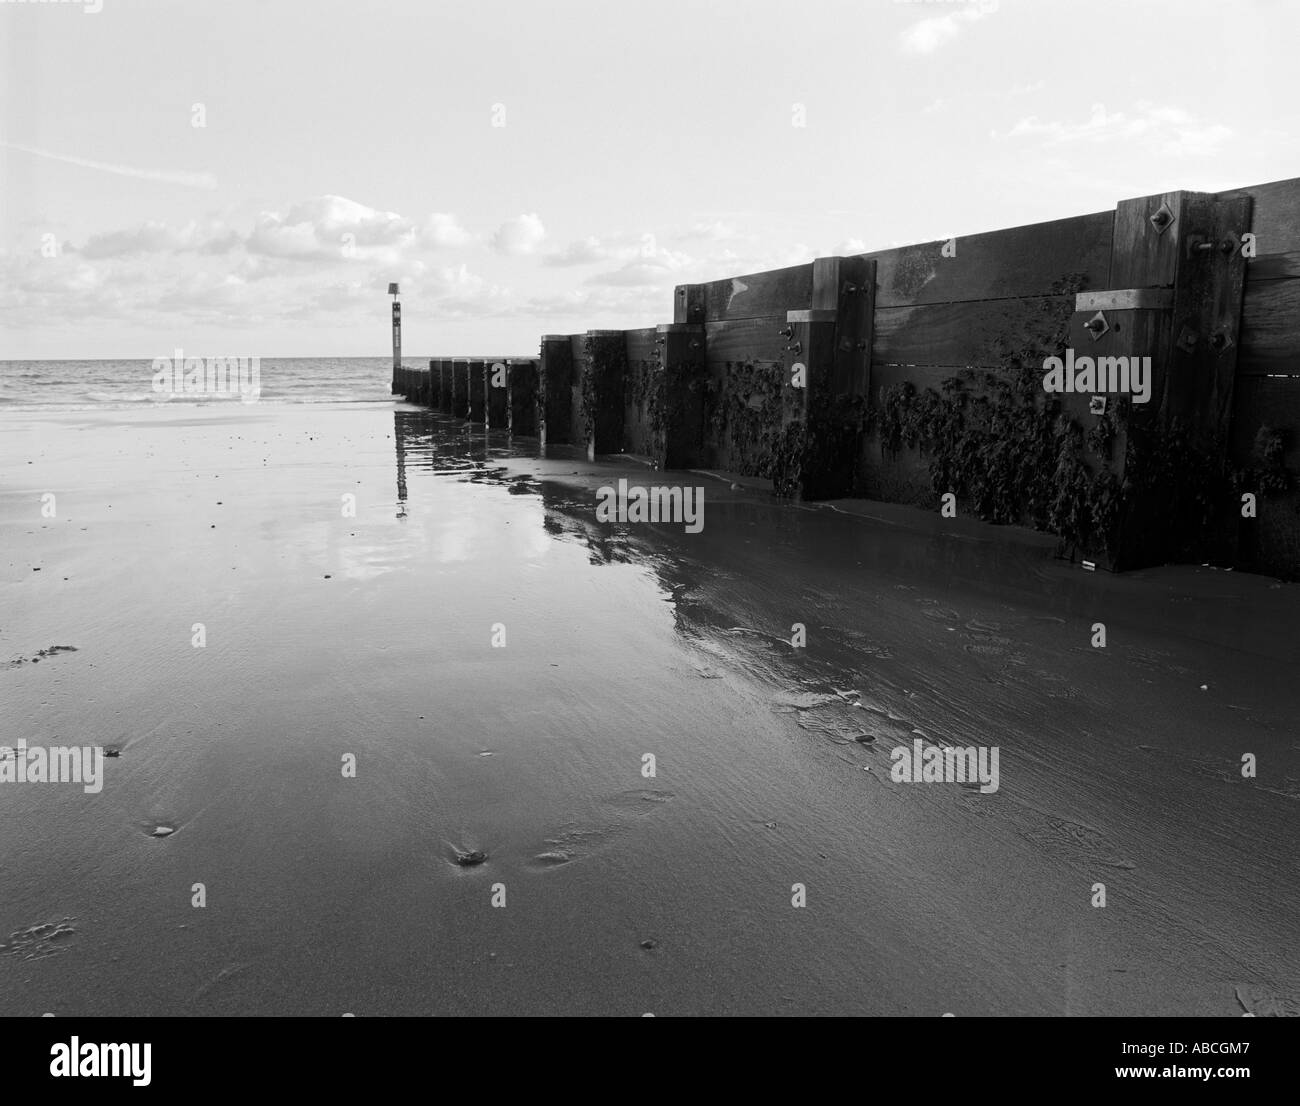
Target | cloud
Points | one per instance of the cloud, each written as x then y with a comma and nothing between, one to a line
316,258
163,176
154,237
928,35
440,230
330,228
520,236
583,251
648,265
1164,130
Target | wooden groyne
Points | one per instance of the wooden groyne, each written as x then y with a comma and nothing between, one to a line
919,375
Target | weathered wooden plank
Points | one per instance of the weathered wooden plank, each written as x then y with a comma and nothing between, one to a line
642,344
1270,542
1020,261
1125,299
755,295
757,339
1270,328
1275,221
956,333
1266,401
1274,267
886,375
1143,258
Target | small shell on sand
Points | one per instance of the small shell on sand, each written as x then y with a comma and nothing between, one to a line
471,858
163,831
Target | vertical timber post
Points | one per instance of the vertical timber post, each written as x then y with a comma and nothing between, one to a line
496,410
521,396
460,387
827,362
397,332
603,377
688,304
444,384
554,391
477,375
1177,275
680,444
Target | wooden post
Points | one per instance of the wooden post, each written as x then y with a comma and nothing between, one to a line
460,387
827,365
1176,279
496,379
397,330
688,304
555,384
681,413
521,396
602,385
444,384
477,375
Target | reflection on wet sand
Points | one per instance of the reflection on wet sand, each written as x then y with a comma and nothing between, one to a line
978,638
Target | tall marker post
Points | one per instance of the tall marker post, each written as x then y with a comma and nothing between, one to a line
397,333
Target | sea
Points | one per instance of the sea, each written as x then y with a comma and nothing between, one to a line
99,384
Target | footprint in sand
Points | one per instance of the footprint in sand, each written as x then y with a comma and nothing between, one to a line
573,843
576,842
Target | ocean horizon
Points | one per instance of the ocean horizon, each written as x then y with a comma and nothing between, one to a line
127,382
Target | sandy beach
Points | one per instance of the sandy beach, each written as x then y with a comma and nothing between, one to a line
371,636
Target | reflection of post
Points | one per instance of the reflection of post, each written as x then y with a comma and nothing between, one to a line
399,440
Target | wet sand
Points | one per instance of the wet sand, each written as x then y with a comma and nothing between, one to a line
371,636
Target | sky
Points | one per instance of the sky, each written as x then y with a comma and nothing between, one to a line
245,177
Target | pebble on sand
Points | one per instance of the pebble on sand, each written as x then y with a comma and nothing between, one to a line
471,858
